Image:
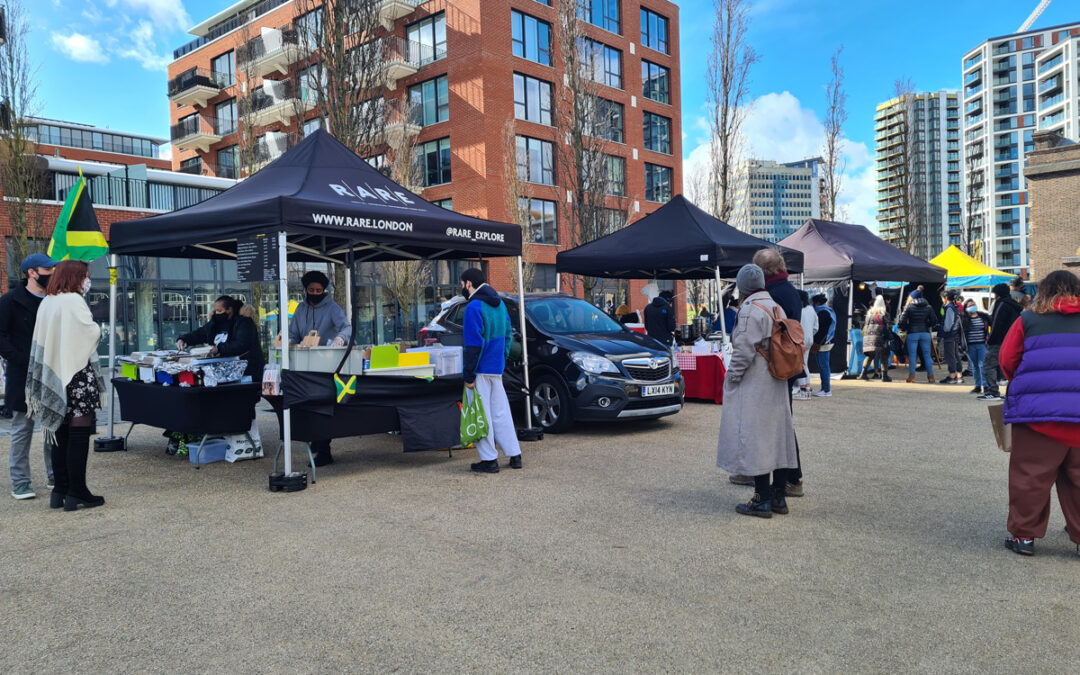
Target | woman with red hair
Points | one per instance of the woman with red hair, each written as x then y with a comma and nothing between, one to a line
64,383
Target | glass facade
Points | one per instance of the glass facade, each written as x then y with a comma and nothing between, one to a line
89,139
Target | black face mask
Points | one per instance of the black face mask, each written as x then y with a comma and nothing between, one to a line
315,299
220,319
465,292
43,280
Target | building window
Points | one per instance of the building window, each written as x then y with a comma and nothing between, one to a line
615,175
427,39
531,38
545,278
312,124
224,68
430,101
225,117
654,31
655,82
447,204
192,165
532,99
607,121
309,83
657,183
611,220
309,28
657,133
535,160
542,223
228,162
603,13
603,63
434,160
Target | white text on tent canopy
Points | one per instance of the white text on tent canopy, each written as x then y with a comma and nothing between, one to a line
372,194
475,235
362,223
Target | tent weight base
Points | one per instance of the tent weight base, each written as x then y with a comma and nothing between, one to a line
109,444
531,434
293,482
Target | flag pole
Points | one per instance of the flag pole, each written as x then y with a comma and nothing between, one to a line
110,442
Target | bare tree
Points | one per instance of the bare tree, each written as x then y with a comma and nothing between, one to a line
518,210
22,177
247,131
909,231
727,90
586,123
835,117
696,186
971,225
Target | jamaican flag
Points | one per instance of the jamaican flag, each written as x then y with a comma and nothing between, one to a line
77,235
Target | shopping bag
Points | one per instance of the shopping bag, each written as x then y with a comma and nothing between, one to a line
239,446
474,423
1002,431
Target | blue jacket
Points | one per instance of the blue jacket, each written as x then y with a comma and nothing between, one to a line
487,334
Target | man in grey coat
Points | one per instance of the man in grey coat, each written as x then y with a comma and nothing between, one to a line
320,313
757,437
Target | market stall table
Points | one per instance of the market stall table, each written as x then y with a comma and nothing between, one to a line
425,412
703,375
197,411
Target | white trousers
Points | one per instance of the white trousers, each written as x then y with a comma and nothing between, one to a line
501,423
805,381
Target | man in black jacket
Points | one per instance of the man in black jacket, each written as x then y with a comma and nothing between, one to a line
660,318
18,314
1005,313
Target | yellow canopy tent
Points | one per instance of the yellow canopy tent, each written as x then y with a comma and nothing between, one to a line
967,272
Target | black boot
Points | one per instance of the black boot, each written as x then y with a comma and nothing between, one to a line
778,503
321,452
78,446
515,462
756,507
60,470
486,466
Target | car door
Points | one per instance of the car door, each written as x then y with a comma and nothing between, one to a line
453,322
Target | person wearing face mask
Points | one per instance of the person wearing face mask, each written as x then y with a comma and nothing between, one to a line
976,327
320,313
64,384
232,332
18,315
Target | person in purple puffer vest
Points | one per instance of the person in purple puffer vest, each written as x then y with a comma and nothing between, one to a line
1041,358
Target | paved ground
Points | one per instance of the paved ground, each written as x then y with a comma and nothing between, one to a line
615,549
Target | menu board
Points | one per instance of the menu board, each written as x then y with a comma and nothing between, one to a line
257,258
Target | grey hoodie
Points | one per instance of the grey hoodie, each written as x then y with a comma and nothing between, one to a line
326,317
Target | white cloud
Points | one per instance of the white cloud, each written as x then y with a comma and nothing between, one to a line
779,128
164,13
79,47
142,48
165,152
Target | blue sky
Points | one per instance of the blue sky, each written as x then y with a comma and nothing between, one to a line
102,62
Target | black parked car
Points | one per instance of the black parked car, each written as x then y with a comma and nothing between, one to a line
583,365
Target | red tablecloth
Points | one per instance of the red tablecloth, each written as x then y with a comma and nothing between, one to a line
703,375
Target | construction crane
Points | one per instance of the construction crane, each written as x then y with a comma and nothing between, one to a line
1034,15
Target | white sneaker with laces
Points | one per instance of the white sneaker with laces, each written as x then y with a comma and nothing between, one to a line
821,393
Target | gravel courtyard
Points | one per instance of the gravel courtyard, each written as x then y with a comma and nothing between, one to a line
616,549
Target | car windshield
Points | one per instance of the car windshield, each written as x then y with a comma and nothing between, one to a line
563,316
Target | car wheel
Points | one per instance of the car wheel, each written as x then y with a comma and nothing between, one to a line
551,405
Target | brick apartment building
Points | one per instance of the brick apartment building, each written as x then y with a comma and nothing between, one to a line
1053,174
469,66
126,179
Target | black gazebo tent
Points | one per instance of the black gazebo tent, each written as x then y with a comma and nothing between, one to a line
322,203
845,255
677,241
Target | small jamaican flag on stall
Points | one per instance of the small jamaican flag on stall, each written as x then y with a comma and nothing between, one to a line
77,235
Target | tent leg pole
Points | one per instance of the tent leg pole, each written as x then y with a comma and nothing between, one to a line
283,317
109,441
850,323
524,342
720,308
348,288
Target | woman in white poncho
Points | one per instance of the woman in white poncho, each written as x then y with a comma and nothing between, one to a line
64,383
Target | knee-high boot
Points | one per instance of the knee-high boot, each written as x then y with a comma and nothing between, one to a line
77,450
60,468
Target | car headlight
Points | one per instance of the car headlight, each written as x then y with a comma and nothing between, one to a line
591,363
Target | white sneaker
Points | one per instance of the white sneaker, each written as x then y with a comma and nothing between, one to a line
801,395
821,393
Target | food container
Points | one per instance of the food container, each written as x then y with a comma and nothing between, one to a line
403,371
146,374
129,370
325,359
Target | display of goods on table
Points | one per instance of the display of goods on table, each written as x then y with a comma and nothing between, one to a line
381,360
185,369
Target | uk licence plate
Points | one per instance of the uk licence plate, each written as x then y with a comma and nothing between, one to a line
658,390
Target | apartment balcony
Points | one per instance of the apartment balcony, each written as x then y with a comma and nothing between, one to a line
392,10
195,87
403,122
1046,66
269,147
401,59
1002,80
194,133
272,52
1050,85
276,101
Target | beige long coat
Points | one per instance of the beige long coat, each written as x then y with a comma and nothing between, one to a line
756,432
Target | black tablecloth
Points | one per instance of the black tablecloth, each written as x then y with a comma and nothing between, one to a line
224,409
426,413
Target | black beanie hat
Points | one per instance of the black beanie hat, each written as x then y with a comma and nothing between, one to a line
315,277
1001,290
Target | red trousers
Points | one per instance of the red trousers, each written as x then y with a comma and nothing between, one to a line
1036,463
